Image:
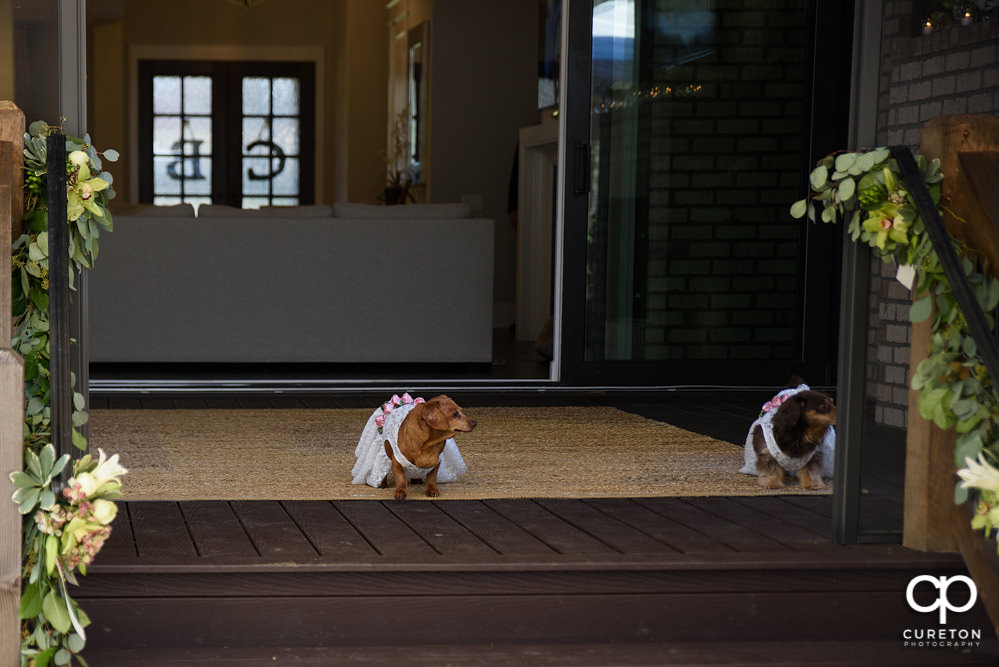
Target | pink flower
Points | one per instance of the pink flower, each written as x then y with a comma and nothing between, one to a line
380,421
387,408
407,399
774,403
417,401
396,400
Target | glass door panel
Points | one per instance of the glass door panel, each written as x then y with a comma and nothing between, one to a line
698,129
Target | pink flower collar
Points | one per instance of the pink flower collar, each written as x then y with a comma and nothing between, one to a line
394,403
779,399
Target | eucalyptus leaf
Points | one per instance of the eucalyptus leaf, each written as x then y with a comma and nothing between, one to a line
960,494
921,309
819,176
846,190
845,160
879,155
76,643
799,208
968,447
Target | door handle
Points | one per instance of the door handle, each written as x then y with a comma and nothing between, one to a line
581,169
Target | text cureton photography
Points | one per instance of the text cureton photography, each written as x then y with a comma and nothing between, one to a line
941,636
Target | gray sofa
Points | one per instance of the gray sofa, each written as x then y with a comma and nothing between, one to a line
365,284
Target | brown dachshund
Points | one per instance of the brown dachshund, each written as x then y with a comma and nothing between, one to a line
422,436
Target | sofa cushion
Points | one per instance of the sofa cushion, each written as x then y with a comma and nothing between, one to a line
224,211
306,211
423,211
154,211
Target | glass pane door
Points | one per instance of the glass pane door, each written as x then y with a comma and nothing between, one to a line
698,128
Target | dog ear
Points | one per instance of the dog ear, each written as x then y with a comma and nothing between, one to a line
791,410
433,415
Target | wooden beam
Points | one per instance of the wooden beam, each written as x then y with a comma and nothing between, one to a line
930,467
12,130
11,422
981,560
11,446
946,138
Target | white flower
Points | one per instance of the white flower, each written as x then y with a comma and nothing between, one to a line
88,484
979,475
108,469
104,511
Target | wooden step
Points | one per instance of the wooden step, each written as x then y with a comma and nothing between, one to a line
730,654
228,576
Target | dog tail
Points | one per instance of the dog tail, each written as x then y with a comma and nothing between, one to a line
793,382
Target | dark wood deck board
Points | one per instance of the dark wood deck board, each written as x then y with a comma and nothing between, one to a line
788,513
445,535
820,505
328,530
547,527
783,532
383,530
717,528
675,535
120,547
216,530
617,535
273,531
159,530
503,535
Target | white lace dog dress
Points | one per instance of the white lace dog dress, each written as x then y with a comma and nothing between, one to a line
766,424
373,464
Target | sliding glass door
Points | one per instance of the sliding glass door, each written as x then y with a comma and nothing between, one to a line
690,128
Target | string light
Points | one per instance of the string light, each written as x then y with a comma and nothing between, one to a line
645,95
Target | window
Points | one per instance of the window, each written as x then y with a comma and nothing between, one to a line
236,133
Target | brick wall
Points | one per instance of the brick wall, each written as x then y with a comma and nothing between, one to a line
725,163
954,70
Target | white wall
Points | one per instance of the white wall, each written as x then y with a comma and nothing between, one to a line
483,89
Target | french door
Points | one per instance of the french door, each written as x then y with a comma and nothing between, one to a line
236,133
690,128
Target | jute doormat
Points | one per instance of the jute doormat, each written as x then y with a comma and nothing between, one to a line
544,452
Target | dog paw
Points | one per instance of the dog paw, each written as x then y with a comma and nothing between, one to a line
770,482
400,494
815,485
433,492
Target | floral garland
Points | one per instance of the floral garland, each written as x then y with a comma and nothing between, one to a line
64,528
956,392
392,404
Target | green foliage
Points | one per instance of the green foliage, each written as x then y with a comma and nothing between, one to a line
955,390
63,528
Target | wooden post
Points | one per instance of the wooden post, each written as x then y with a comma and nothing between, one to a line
11,391
968,150
12,130
930,468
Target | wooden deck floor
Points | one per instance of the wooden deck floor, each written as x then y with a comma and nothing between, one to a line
747,581
340,533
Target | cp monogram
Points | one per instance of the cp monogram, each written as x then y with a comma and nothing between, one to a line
942,602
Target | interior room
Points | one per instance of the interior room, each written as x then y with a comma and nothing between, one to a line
434,95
